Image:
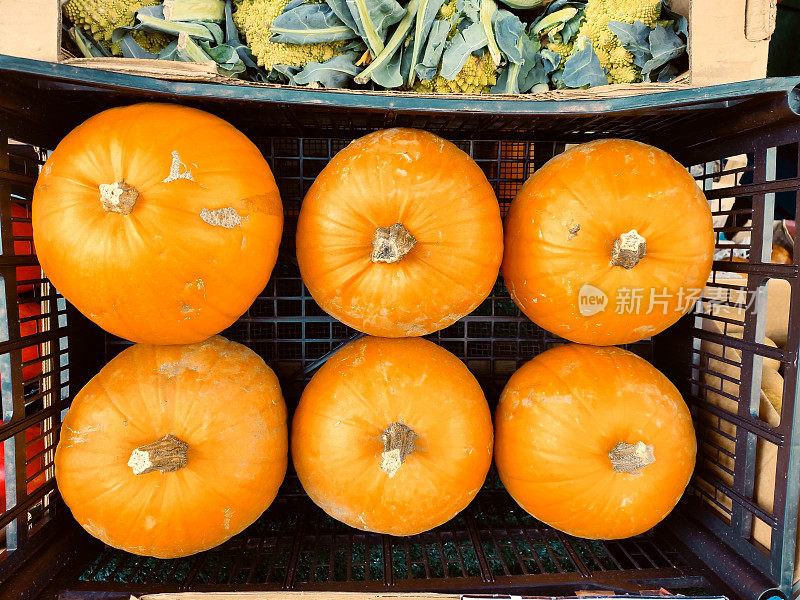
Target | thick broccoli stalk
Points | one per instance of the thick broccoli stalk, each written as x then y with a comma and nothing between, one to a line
477,76
616,60
99,18
253,19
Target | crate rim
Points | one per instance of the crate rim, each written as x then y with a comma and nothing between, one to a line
708,96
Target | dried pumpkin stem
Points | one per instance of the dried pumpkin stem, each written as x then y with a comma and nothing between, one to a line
165,455
398,441
628,249
631,458
391,244
118,197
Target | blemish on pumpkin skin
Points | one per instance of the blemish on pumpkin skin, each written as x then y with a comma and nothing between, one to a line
175,368
573,228
226,217
175,172
81,436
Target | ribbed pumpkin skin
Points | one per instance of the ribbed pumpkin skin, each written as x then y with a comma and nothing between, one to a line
361,390
558,418
217,396
162,274
443,199
562,225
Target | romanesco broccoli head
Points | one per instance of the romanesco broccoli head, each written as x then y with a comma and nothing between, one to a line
99,18
448,9
624,74
477,76
562,48
617,61
253,19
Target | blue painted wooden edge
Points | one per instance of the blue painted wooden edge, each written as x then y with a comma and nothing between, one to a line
490,105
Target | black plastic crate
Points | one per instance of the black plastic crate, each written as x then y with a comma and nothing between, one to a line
706,546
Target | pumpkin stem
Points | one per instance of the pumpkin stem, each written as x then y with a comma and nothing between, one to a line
118,197
165,455
631,458
398,440
628,250
391,244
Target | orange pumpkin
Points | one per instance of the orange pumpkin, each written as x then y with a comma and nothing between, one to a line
594,441
780,255
392,435
171,450
160,223
608,243
400,234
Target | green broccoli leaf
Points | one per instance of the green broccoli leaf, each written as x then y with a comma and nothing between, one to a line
283,74
357,45
469,8
232,39
170,52
131,49
513,78
310,24
152,17
634,37
372,20
385,68
509,31
216,31
552,7
570,28
668,73
680,25
333,73
557,80
550,59
583,68
388,73
406,61
121,32
426,15
464,43
665,45
226,57
434,47
535,74
337,6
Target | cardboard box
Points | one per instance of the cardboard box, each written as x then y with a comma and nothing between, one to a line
728,42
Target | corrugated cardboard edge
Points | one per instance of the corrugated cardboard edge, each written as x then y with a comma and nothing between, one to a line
760,18
207,73
160,69
296,596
